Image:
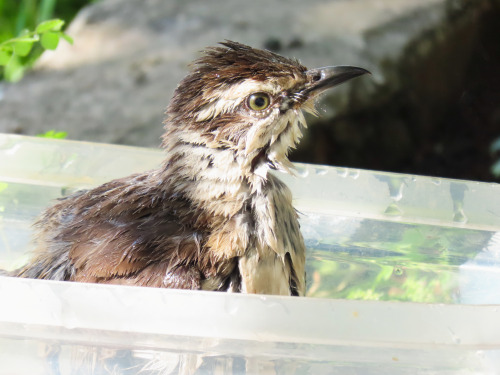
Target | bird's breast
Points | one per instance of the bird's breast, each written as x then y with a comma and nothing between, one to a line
275,256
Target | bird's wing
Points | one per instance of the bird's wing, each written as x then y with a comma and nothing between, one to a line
125,231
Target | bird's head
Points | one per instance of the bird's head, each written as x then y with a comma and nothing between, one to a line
249,101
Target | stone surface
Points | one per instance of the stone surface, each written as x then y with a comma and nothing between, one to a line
114,83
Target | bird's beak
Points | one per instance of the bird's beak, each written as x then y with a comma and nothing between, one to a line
322,79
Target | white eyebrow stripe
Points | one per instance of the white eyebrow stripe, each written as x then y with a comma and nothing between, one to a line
226,99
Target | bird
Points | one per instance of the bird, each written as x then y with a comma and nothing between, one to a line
211,216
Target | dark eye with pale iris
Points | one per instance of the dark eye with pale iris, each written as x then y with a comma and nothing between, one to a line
258,101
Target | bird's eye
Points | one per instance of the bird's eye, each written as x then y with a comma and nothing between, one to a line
258,101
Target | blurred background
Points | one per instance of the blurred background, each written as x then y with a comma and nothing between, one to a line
431,106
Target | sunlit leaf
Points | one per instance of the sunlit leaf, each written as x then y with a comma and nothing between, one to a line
53,134
5,57
22,48
50,25
50,40
14,70
66,37
6,47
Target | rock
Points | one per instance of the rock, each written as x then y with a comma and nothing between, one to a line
114,83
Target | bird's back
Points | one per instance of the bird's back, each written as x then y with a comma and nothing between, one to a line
128,231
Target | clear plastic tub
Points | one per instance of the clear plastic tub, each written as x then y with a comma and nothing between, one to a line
403,278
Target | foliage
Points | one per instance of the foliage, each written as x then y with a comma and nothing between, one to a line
53,134
17,54
18,15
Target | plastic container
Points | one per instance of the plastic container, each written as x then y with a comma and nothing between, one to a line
403,278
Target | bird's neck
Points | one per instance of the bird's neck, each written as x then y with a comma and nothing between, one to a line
217,179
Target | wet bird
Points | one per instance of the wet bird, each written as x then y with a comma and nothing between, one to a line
211,217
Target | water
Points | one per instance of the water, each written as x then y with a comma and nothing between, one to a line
348,257
359,258
19,206
369,235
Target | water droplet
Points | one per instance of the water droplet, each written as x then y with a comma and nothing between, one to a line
436,181
398,271
459,216
354,173
395,184
454,336
393,210
302,171
321,171
396,189
342,172
397,194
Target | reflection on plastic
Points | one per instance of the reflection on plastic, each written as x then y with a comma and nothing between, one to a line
375,236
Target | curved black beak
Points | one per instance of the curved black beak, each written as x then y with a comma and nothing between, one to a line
322,79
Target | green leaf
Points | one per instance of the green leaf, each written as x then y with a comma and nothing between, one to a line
53,134
60,135
66,37
4,57
6,47
50,40
50,25
14,70
22,48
